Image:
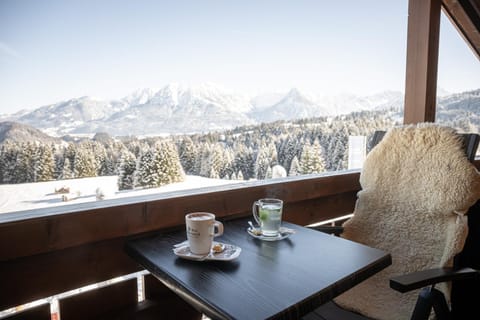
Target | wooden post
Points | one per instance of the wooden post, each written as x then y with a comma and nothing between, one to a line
422,60
465,17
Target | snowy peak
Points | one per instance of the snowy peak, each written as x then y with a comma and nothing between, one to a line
79,109
265,100
176,109
166,96
177,97
61,118
299,105
294,96
140,96
294,105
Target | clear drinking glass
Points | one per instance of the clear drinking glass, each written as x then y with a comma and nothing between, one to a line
268,214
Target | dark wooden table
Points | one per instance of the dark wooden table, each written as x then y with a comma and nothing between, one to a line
284,279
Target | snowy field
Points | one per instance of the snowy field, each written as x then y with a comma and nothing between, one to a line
27,196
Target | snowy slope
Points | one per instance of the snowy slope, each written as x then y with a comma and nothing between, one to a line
27,196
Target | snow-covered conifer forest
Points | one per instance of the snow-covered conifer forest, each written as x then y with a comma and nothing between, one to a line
250,152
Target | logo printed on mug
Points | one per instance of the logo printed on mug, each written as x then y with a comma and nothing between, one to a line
192,231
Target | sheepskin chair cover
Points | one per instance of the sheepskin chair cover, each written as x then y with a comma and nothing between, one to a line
417,184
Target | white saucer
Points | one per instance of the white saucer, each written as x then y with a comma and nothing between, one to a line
229,252
279,236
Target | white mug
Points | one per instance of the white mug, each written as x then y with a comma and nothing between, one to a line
201,230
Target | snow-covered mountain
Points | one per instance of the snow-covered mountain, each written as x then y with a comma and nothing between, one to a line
294,105
463,108
21,133
140,96
180,109
468,101
64,117
177,109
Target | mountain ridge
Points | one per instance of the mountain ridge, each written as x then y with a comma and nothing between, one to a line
21,133
177,109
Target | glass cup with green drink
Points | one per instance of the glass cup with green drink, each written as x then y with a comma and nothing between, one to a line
268,214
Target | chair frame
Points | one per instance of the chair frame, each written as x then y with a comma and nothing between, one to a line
429,297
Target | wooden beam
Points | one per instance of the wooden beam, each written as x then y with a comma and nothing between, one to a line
39,276
465,17
99,303
51,233
422,60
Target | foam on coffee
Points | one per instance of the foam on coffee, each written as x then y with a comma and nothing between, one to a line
199,216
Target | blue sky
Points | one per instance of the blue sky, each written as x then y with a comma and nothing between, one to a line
56,50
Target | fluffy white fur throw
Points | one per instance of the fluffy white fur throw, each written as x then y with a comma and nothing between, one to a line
416,186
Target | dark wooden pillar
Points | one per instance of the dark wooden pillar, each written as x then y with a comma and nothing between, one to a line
465,17
422,60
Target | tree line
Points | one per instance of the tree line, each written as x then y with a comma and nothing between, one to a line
282,148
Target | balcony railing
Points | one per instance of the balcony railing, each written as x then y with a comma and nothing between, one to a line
47,252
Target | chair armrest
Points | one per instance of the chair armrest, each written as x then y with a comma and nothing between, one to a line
420,279
336,230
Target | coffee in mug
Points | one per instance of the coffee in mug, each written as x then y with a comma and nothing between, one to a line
201,231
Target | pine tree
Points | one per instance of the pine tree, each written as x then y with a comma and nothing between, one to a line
35,162
104,166
158,166
272,153
109,168
188,155
9,159
145,175
215,162
289,149
240,175
204,161
23,169
58,162
319,157
46,169
84,164
69,153
67,172
169,164
244,162
213,174
262,163
228,163
294,167
312,159
2,163
127,170
269,174
338,148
